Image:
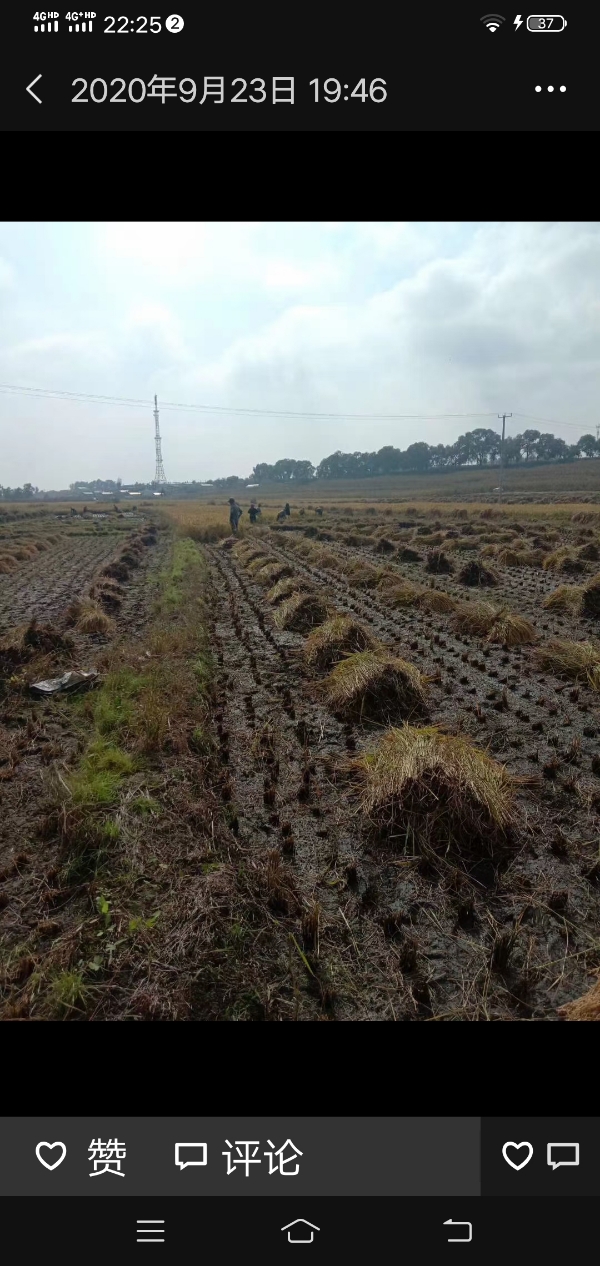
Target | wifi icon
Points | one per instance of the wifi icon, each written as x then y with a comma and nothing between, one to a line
492,21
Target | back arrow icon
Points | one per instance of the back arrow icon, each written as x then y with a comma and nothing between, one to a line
30,86
461,1239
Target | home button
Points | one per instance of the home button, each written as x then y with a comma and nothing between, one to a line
300,1231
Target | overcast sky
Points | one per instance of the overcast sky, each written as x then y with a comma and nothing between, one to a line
331,317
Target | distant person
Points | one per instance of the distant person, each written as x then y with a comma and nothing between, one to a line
285,513
235,514
253,512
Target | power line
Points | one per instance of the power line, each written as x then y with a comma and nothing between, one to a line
551,421
84,397
77,397
95,398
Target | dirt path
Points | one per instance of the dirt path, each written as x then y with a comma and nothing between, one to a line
447,931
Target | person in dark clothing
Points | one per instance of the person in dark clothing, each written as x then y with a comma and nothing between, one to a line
285,513
253,512
235,514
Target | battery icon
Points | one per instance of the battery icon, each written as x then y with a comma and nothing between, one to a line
546,22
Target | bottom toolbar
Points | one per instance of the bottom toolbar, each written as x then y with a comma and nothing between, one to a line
323,1229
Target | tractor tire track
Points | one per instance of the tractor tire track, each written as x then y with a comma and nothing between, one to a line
280,750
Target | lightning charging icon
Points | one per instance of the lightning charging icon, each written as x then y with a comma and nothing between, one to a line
518,21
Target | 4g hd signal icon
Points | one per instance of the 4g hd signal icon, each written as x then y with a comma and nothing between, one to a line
45,23
77,25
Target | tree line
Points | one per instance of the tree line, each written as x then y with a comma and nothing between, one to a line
479,448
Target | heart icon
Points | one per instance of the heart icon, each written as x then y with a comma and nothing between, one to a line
50,1147
517,1148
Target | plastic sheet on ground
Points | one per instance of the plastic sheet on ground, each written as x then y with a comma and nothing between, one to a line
68,681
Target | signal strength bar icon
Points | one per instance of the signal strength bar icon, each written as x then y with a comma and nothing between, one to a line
83,26
47,27
492,21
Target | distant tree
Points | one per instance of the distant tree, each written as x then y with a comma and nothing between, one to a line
439,456
416,456
262,473
304,471
389,460
589,446
549,449
464,450
335,466
485,444
287,468
530,441
513,450
229,482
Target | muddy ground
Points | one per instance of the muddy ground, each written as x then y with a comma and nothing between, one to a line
36,734
44,586
510,938
363,928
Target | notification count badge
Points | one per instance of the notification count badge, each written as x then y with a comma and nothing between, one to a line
190,1154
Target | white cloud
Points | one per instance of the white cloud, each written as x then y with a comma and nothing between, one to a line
92,347
352,318
154,324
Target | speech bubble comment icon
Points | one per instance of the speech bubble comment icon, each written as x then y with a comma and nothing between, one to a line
559,1154
187,1154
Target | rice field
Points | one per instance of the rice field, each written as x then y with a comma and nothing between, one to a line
392,804
450,724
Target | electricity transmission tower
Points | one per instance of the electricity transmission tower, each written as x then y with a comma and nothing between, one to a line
159,477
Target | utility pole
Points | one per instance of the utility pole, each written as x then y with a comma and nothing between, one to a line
159,476
504,416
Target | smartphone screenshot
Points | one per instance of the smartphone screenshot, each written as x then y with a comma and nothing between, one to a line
439,1188
435,68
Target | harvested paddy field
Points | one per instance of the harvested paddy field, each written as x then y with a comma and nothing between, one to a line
325,776
498,929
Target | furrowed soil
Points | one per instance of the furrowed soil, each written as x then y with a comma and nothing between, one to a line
511,938
237,878
281,751
43,586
